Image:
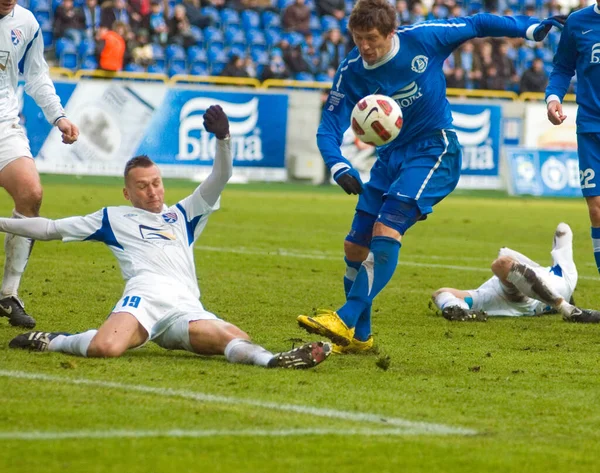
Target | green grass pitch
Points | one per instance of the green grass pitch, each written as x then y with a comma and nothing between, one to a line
503,396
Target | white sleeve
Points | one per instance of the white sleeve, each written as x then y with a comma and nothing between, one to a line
90,227
38,228
222,169
521,258
38,84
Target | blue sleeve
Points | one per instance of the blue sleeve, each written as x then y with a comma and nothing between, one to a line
453,32
335,119
565,61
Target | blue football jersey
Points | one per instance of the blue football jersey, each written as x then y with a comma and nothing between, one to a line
411,73
579,51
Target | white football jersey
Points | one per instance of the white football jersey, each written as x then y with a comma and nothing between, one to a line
22,51
153,246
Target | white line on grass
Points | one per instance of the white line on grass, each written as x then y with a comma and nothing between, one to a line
328,256
414,428
181,433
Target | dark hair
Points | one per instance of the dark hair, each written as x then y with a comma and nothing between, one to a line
369,14
141,161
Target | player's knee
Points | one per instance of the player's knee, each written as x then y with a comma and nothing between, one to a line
362,230
502,266
594,210
355,252
439,291
399,214
105,348
29,200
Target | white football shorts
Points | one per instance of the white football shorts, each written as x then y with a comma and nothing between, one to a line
13,143
158,305
491,298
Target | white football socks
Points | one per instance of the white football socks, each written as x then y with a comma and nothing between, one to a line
17,250
77,344
530,284
447,299
245,352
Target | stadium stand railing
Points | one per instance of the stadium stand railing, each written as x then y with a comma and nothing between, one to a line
123,75
239,81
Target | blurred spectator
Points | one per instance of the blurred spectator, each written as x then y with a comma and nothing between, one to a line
235,67
551,8
218,4
437,12
402,12
192,10
112,47
333,49
505,65
335,8
69,22
292,55
456,11
482,61
492,81
139,14
457,79
310,54
534,79
179,28
417,12
247,4
296,17
159,32
115,10
276,69
92,14
141,49
250,67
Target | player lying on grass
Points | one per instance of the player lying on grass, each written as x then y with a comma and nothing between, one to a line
521,286
154,246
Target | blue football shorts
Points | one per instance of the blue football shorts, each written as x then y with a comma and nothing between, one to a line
418,174
588,149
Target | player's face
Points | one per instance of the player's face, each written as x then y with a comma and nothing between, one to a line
372,45
6,6
144,188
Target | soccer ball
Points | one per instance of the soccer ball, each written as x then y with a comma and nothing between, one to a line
376,120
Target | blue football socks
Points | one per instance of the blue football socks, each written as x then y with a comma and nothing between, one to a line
596,245
375,272
363,325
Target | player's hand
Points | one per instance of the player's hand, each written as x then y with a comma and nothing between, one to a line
555,112
69,130
216,121
542,30
349,180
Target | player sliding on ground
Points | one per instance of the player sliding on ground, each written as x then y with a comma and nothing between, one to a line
521,286
154,246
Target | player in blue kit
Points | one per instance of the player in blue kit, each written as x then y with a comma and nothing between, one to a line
579,52
414,172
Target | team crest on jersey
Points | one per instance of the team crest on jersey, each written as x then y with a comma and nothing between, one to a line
169,217
151,233
419,63
16,36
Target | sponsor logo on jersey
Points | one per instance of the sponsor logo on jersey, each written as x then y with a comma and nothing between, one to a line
419,63
595,54
16,36
151,233
406,96
246,140
169,217
130,215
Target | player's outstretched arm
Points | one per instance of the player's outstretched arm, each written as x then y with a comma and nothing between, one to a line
38,228
565,61
216,122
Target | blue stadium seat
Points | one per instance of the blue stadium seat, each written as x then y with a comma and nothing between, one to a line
230,17
212,13
250,20
294,38
256,37
89,63
304,76
86,47
40,5
272,37
175,56
239,49
199,69
233,34
42,16
344,25
177,68
349,6
281,4
314,23
133,67
329,23
213,35
68,59
270,19
197,34
156,68
48,38
23,3
64,44
322,78
259,56
196,54
276,52
216,53
216,68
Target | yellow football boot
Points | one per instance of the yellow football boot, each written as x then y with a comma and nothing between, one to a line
327,324
356,346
